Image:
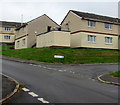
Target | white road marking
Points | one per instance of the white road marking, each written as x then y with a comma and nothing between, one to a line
60,70
34,65
53,69
93,79
49,68
33,94
39,66
42,100
64,70
25,89
44,67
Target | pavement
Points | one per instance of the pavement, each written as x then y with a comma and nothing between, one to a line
108,79
9,88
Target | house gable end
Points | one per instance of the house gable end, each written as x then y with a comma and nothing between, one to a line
68,14
52,20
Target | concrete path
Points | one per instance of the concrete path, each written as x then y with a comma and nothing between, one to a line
8,89
109,79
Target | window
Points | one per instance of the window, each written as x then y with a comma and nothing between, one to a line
7,37
108,26
91,23
48,28
23,42
91,38
108,40
7,28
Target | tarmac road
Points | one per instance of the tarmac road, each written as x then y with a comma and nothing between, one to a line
56,83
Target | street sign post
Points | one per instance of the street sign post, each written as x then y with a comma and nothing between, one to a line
59,58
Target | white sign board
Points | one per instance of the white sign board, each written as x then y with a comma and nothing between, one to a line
58,56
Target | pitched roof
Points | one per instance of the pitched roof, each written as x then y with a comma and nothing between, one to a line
94,17
23,25
97,17
35,19
9,24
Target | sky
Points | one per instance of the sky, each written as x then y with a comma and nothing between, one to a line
26,10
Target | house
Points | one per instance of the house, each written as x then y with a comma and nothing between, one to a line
91,31
26,35
7,31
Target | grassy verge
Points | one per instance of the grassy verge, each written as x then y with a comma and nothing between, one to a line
74,56
116,74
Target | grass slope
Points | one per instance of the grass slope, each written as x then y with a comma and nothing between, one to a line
74,56
116,74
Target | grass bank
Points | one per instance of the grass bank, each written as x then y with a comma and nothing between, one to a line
74,56
116,74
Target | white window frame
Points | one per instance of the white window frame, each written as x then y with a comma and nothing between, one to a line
23,42
108,26
7,28
92,38
91,23
7,37
108,40
18,43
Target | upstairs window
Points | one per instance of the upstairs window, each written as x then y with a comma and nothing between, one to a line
91,38
91,23
108,40
7,37
48,28
108,26
7,28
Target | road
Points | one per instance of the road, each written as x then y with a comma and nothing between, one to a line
57,83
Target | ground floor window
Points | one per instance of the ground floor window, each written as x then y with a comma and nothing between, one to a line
18,43
91,38
7,37
108,40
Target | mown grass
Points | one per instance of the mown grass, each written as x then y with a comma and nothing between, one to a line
116,74
72,56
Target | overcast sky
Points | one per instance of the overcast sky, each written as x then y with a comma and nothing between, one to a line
11,10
